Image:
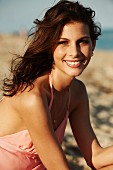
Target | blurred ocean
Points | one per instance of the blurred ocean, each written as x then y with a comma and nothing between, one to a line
105,41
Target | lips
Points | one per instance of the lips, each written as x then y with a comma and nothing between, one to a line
73,64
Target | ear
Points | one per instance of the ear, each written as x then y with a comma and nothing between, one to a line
93,45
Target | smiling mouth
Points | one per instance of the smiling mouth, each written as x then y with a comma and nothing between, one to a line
74,63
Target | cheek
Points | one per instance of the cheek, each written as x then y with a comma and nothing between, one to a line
87,52
58,53
90,53
88,56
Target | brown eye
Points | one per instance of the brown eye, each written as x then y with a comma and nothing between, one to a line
84,41
62,42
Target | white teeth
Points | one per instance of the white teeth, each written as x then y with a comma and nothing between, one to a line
73,62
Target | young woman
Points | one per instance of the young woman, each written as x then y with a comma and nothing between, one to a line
43,93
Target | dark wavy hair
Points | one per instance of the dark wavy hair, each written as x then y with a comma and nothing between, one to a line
38,56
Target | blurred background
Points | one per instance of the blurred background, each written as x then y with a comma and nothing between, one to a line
16,19
18,16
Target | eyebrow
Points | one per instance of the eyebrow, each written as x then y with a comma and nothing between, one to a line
88,37
63,39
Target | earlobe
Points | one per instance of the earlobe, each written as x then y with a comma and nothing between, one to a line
92,53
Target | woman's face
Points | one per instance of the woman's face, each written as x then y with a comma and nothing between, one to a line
74,49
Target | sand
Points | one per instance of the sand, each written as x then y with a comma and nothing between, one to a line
98,78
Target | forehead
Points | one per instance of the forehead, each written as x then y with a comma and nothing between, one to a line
75,29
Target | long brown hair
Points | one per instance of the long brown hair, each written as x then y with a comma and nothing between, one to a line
38,56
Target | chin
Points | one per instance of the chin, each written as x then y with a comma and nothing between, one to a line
76,74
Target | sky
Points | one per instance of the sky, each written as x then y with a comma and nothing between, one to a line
18,14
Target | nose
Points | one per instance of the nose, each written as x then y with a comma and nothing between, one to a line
74,50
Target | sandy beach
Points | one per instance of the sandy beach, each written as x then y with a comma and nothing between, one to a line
98,78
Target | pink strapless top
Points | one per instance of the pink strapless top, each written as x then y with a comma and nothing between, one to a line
17,151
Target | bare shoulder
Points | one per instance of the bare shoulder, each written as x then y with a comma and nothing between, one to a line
77,87
31,99
32,106
78,93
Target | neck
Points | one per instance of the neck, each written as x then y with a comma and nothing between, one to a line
60,81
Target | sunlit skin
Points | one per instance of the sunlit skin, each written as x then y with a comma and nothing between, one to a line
73,51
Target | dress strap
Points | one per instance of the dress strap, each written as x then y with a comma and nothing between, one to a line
52,96
2,98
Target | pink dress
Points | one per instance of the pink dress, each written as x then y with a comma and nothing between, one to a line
17,151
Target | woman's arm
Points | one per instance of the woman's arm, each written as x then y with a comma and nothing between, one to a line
95,156
36,116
